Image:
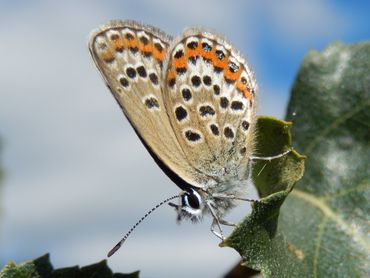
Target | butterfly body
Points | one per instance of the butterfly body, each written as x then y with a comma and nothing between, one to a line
191,100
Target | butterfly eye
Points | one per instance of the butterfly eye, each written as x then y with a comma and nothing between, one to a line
192,200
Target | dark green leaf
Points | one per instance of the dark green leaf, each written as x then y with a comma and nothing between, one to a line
41,267
25,270
239,271
324,223
330,106
255,237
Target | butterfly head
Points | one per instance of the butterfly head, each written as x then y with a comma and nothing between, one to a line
191,205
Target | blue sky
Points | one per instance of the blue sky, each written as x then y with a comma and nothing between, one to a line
77,177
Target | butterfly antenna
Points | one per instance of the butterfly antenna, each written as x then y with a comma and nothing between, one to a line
119,244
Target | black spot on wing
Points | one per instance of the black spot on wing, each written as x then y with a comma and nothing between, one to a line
180,113
224,102
141,71
216,89
207,80
245,125
195,81
124,82
192,45
206,110
214,129
154,78
131,72
151,103
186,94
237,105
192,136
228,132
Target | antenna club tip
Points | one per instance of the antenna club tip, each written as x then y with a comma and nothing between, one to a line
115,248
119,244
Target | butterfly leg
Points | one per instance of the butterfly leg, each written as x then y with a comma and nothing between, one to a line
269,158
216,222
178,209
227,223
217,234
232,197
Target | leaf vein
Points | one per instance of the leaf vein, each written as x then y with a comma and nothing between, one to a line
334,125
321,229
362,186
328,212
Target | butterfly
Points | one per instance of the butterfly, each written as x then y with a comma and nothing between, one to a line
192,102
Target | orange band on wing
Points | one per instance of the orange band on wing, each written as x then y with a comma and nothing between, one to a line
107,56
133,43
159,55
208,55
192,52
232,75
148,48
179,62
217,63
171,74
117,43
244,89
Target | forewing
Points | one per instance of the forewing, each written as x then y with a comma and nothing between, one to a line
209,93
130,58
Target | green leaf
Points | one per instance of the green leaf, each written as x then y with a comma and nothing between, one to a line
255,237
41,267
273,137
330,107
25,270
324,223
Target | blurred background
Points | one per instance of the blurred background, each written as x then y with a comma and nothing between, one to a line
76,176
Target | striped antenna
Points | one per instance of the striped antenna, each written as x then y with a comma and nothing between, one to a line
119,244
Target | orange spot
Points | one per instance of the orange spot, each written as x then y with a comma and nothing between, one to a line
248,94
159,55
244,89
190,52
118,43
171,74
209,55
146,47
180,62
219,63
133,43
232,75
107,56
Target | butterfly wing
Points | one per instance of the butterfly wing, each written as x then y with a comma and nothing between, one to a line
130,58
209,95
